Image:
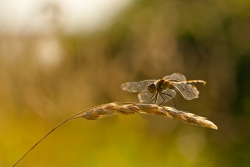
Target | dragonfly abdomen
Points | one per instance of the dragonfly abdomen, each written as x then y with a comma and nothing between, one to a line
195,82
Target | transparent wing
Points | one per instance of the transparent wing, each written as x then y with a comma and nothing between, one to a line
145,96
136,86
188,91
175,77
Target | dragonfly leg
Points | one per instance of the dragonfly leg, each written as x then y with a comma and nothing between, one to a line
151,98
167,95
164,98
154,99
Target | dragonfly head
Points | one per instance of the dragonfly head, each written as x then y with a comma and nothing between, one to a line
152,88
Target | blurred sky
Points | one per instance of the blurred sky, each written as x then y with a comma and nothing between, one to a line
38,16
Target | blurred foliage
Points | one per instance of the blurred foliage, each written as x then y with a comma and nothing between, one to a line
46,78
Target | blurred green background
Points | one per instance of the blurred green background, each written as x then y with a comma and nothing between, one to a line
45,78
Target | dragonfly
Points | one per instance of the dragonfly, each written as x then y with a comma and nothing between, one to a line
151,90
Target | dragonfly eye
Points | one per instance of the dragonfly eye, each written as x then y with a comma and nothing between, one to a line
152,88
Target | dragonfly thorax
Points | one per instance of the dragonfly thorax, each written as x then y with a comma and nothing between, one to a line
159,86
162,85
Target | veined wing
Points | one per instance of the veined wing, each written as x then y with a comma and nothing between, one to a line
178,77
136,86
188,91
145,96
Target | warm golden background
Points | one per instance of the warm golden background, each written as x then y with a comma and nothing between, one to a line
46,76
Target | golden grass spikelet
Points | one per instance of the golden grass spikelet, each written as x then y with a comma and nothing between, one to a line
110,109
153,109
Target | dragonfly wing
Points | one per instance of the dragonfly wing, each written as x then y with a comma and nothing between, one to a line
144,96
175,77
188,91
136,86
